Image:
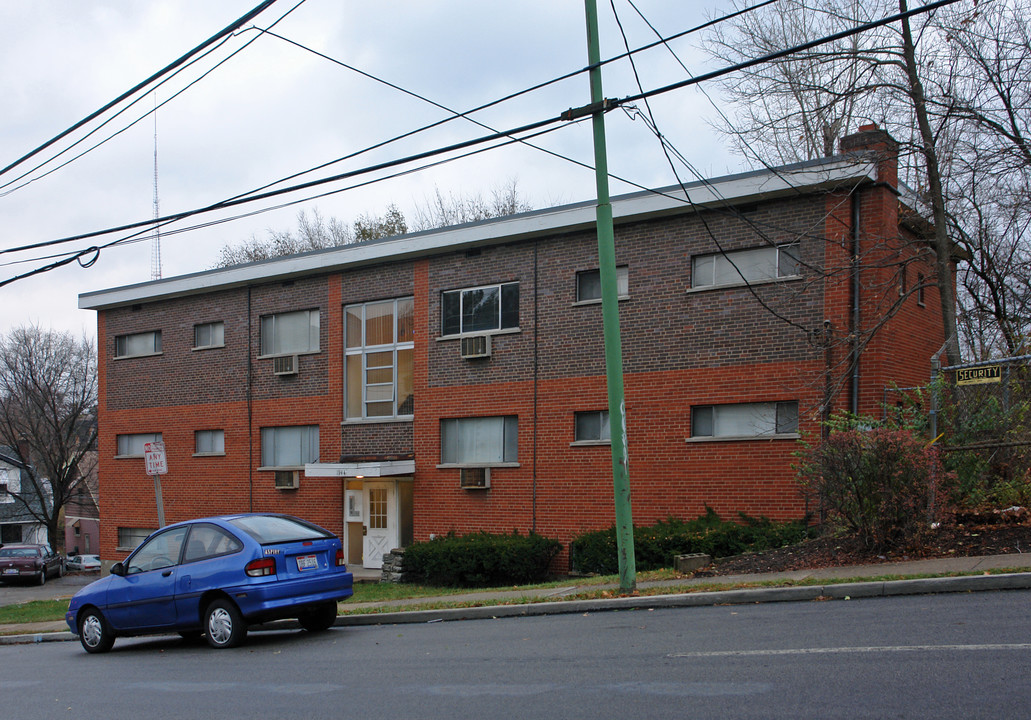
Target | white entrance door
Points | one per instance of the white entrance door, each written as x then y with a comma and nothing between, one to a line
380,523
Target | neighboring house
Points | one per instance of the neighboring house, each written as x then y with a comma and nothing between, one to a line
82,513
454,379
17,523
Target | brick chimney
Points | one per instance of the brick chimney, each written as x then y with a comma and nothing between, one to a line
871,141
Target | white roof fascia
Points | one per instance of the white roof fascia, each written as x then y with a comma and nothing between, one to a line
730,190
384,468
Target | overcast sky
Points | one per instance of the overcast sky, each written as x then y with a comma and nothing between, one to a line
275,109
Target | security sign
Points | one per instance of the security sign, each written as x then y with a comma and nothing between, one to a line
154,457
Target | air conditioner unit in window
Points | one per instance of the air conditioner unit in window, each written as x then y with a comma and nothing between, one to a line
288,479
284,365
476,346
475,478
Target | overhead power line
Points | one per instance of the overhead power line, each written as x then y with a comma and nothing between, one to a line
140,86
571,114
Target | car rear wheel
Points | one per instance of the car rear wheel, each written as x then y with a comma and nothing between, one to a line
94,634
224,625
319,618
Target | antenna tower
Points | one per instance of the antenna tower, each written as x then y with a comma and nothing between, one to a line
155,252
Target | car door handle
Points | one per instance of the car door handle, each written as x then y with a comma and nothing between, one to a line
166,573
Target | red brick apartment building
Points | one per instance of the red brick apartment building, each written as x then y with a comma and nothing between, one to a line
454,379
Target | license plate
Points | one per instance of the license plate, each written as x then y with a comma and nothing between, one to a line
307,562
10,571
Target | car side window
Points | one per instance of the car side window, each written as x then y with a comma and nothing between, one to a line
161,551
208,541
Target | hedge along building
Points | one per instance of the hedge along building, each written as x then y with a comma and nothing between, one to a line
454,379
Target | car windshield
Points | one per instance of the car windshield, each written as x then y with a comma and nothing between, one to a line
269,529
17,552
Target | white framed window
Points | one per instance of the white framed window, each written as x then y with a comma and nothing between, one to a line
129,538
588,284
744,420
379,357
745,266
138,344
591,427
290,332
479,440
920,284
132,445
5,490
289,446
209,442
209,335
479,309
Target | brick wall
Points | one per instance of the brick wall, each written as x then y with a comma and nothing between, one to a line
682,347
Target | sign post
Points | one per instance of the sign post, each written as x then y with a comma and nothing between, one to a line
157,465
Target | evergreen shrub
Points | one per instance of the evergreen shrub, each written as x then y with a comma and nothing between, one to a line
658,545
481,559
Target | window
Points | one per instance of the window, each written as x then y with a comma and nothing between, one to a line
291,332
5,494
740,266
592,426
479,441
289,447
208,541
132,445
379,359
920,290
160,552
209,442
744,420
209,335
138,344
129,537
588,284
482,309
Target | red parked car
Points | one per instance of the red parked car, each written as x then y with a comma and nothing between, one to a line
29,561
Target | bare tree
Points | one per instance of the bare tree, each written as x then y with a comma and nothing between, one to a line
313,232
445,210
48,402
951,87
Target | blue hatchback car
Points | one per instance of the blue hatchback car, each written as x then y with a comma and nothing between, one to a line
213,577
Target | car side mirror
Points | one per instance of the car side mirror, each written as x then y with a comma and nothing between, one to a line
118,569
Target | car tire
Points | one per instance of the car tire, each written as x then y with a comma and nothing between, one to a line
60,571
42,579
94,633
319,618
224,626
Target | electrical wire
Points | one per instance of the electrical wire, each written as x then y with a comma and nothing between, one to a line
208,51
457,146
140,86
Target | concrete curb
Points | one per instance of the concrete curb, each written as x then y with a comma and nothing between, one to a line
842,591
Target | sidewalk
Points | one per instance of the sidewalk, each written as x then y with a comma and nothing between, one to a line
726,590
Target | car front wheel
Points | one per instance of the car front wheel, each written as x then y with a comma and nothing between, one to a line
320,618
224,625
42,579
94,634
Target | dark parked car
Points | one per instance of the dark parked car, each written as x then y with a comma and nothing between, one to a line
30,561
214,577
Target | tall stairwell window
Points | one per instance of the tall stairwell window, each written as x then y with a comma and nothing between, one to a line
379,357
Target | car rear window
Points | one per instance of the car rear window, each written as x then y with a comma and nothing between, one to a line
269,529
18,552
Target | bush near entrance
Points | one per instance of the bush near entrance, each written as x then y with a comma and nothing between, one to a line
481,559
656,546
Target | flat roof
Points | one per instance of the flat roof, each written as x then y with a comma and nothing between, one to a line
807,177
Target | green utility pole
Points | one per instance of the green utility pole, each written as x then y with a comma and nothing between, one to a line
610,316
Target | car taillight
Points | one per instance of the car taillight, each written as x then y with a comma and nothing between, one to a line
261,567
340,558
